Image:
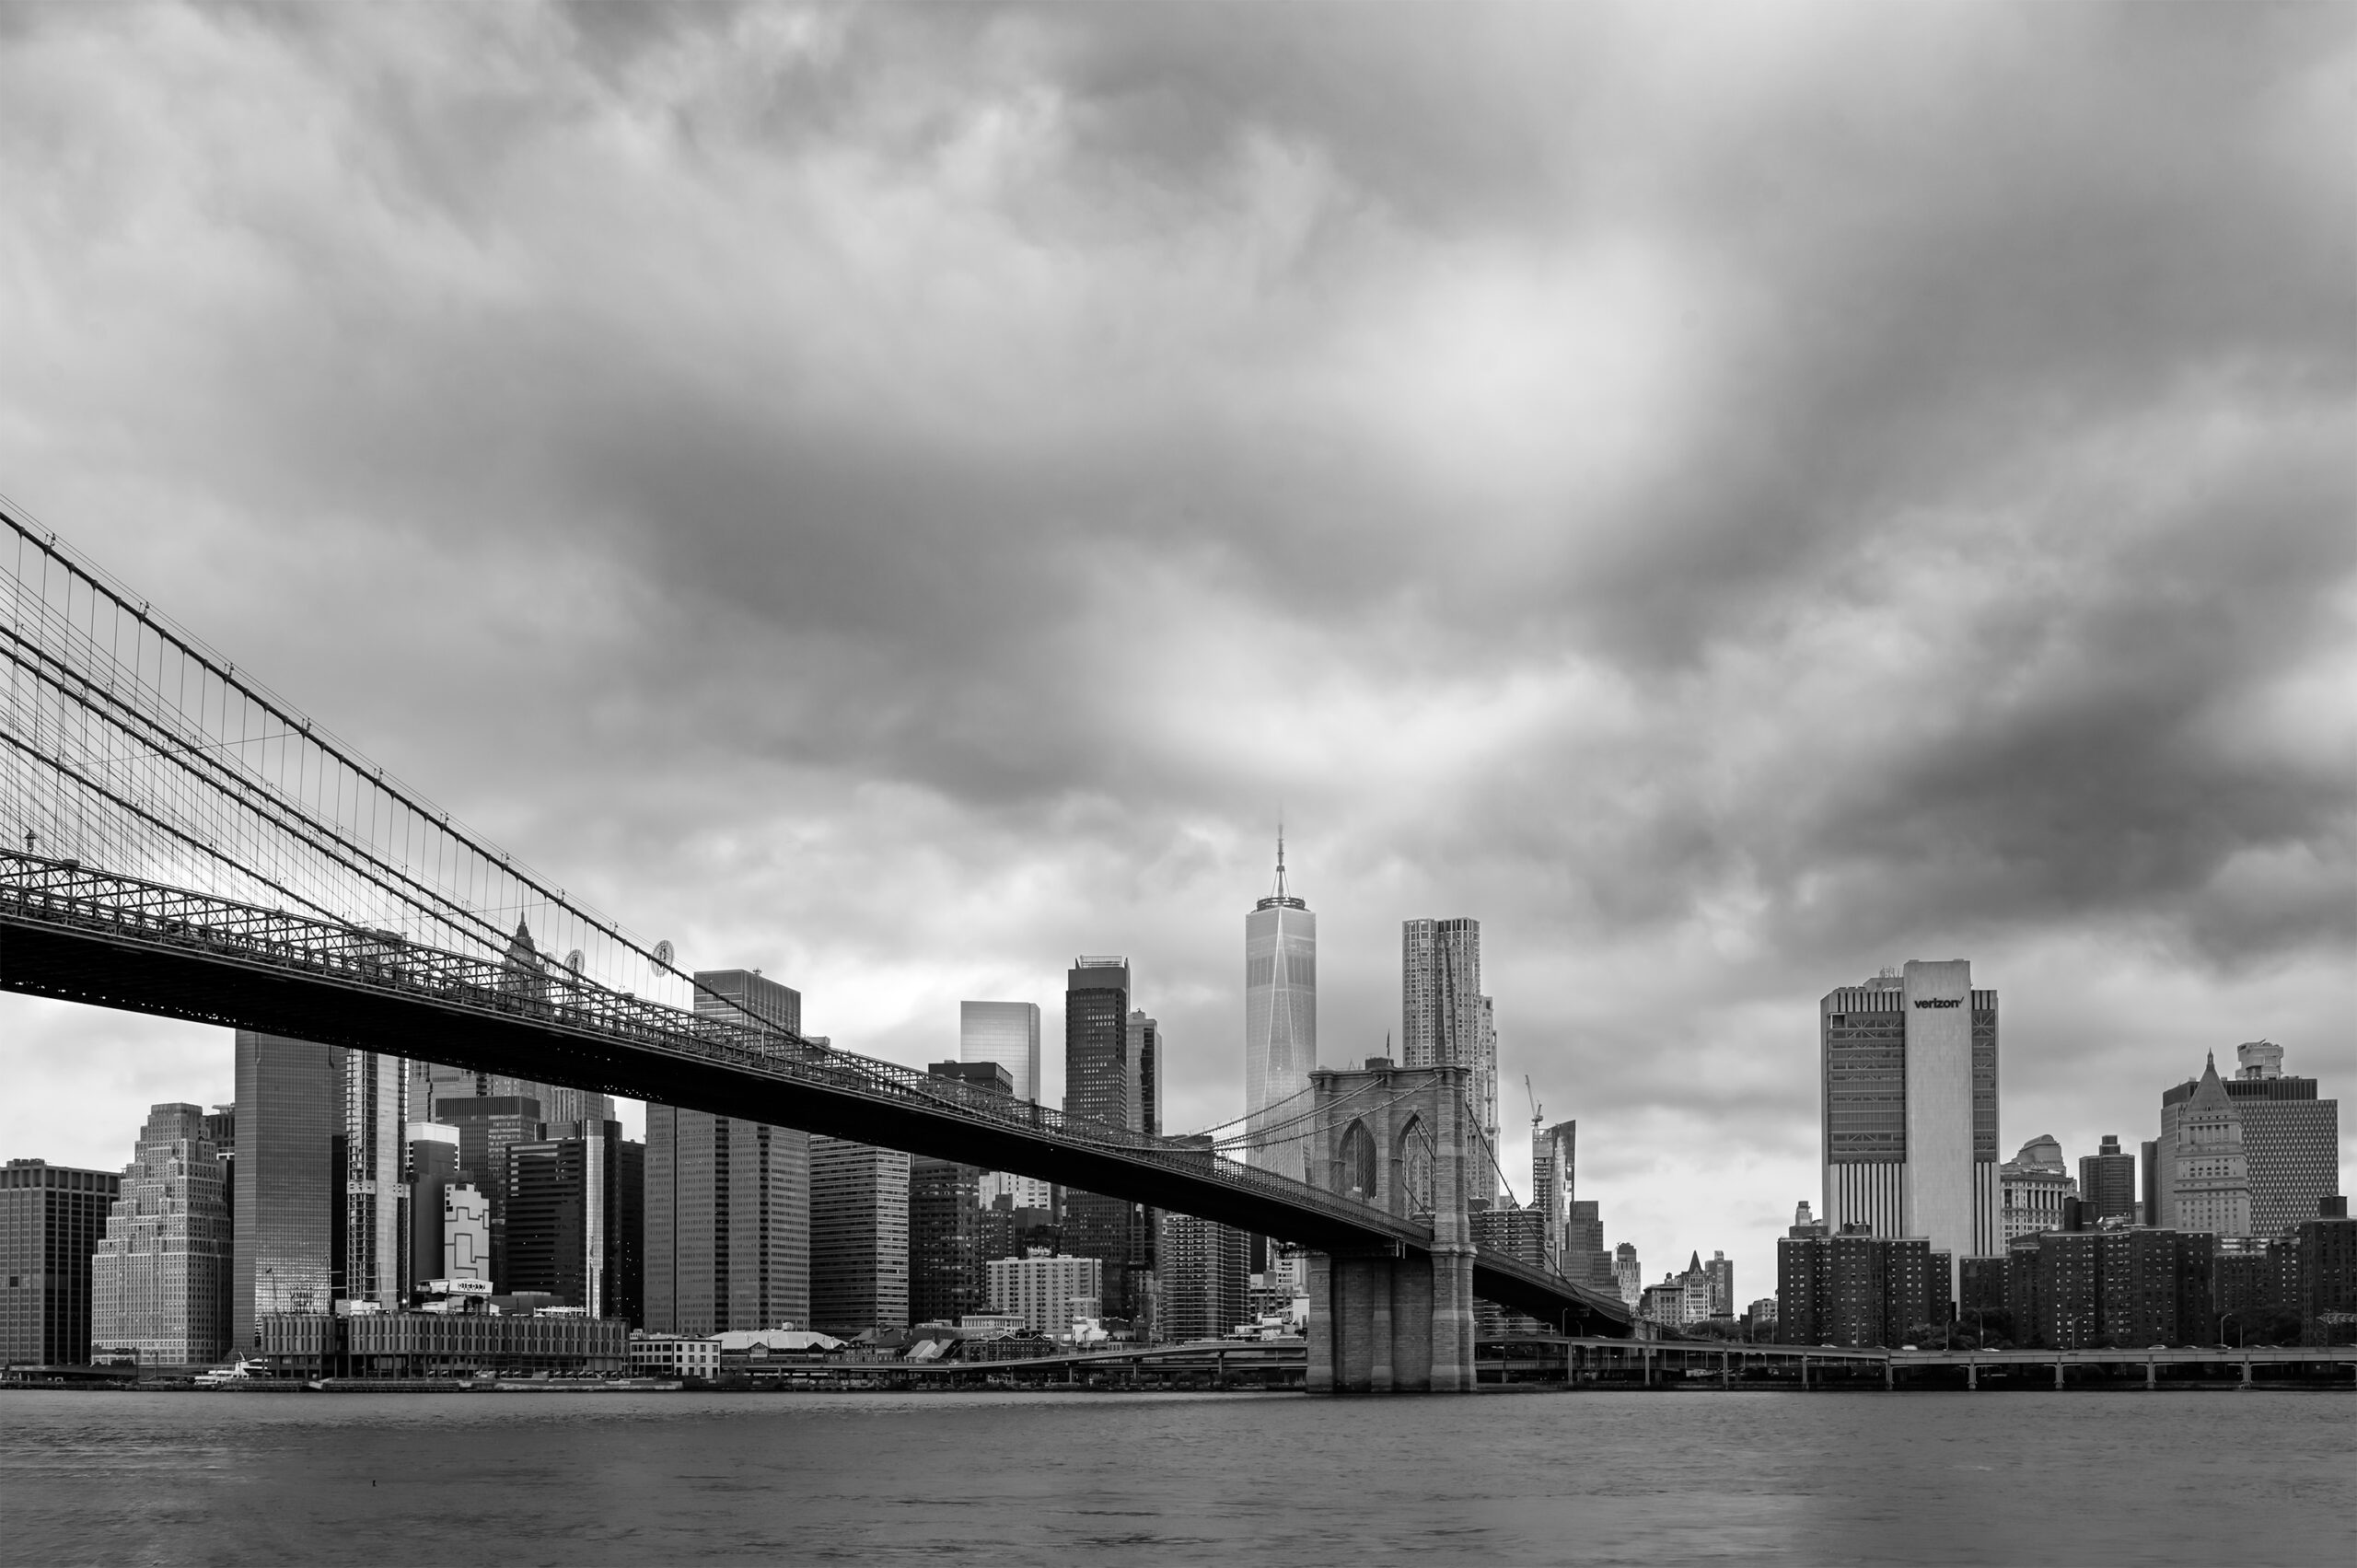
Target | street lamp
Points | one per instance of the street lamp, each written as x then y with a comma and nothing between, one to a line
2238,1327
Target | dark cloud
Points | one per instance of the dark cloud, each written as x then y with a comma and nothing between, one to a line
900,495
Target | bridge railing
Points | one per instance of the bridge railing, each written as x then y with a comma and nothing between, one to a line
526,985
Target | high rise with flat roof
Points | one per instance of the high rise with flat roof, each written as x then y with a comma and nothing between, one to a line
2106,1183
287,1181
2291,1137
159,1284
1106,1082
728,1202
859,1236
489,1129
51,1219
429,1165
1908,1079
1446,1021
375,1216
1553,1166
1006,1033
564,1233
1280,1026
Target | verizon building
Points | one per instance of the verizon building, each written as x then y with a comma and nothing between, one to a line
1909,1081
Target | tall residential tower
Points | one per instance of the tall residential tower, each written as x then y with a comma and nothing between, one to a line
1445,1020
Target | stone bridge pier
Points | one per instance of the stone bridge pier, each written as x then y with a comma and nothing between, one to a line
1385,1322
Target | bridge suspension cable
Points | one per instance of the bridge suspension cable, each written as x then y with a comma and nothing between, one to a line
128,743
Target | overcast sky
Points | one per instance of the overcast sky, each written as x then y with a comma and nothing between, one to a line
1730,498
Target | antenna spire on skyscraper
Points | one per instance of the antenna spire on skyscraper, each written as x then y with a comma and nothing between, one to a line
1281,855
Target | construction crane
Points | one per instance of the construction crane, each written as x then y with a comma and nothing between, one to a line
1537,1116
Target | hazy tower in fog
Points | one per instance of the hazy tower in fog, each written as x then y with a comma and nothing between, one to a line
1280,1023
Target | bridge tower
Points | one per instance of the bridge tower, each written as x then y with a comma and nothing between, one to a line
1383,1321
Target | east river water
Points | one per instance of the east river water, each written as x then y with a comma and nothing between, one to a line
2081,1478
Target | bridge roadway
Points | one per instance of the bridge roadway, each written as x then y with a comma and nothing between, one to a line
81,935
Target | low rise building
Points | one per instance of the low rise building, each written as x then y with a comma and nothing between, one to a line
674,1356
438,1344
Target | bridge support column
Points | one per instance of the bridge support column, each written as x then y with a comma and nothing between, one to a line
1972,1374
2152,1372
2058,1374
1395,1318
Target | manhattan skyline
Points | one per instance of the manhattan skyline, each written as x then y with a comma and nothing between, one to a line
903,615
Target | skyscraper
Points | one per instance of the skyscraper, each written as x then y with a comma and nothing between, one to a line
159,1284
1626,1274
1720,1272
1006,1033
859,1237
565,1219
1279,1026
489,1129
430,1164
51,1219
728,1202
1586,1259
1552,1167
947,1277
1909,1084
1445,1020
2106,1183
2209,1170
1104,1082
2291,1137
376,1203
287,1181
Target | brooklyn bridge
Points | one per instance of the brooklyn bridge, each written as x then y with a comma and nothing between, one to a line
183,842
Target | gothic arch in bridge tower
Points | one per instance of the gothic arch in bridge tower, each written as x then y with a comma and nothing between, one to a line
1395,1318
1412,1161
1357,1172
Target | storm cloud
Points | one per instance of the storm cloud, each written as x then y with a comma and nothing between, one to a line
1730,497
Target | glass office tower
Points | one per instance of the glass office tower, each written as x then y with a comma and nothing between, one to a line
1280,1026
728,1202
1006,1033
286,1178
